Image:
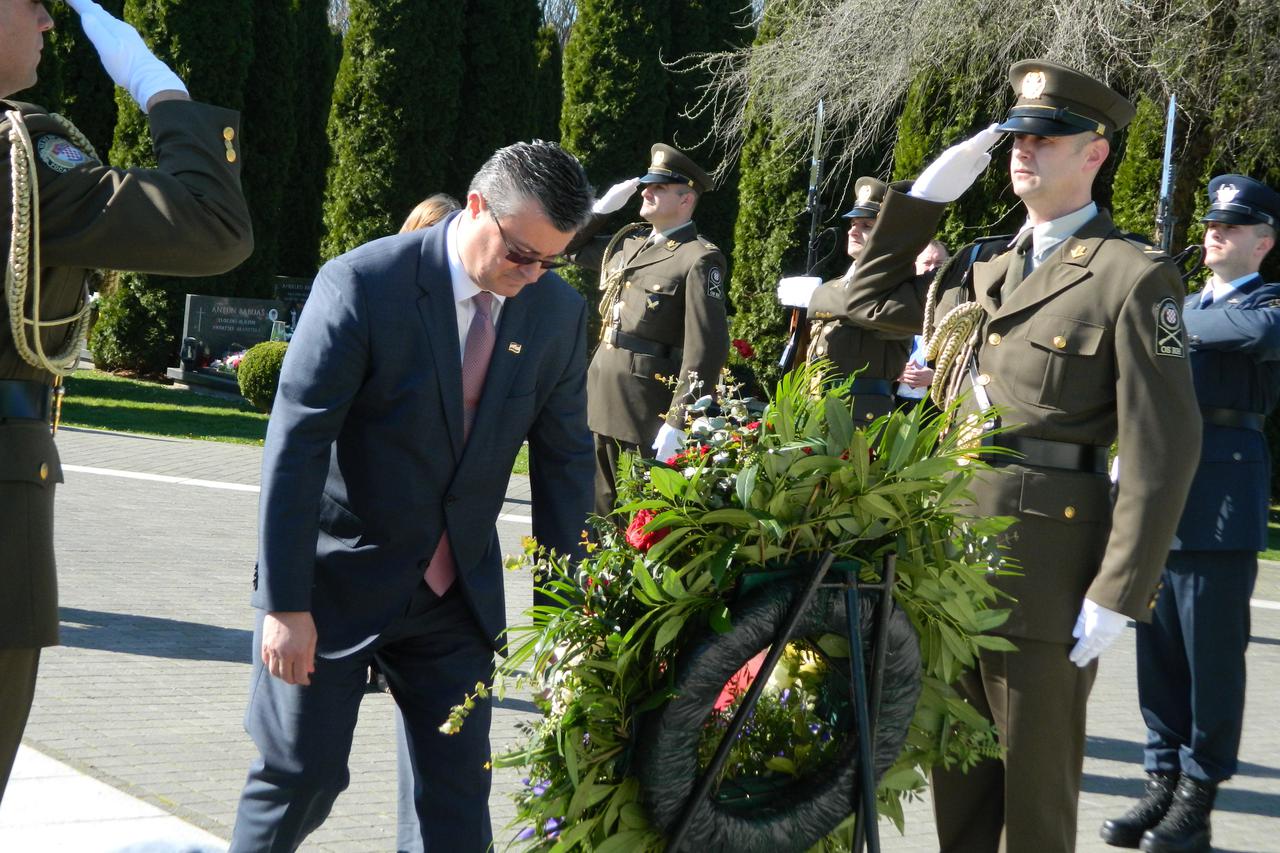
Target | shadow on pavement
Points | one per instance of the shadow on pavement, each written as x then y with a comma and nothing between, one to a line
1115,749
152,636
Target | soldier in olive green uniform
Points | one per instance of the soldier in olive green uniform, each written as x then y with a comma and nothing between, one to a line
876,356
1079,342
186,217
663,313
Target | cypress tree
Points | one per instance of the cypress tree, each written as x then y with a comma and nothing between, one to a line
498,63
615,100
937,114
1135,190
769,236
548,85
267,142
318,49
394,114
205,45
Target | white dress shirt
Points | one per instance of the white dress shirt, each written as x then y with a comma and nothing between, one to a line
1047,236
464,288
1218,291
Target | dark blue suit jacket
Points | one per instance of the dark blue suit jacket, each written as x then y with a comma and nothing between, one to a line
1235,361
365,464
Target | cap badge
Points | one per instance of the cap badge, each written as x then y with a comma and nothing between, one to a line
864,194
1227,193
1033,85
659,157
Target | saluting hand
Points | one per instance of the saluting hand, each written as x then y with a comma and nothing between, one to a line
125,56
289,645
955,170
616,197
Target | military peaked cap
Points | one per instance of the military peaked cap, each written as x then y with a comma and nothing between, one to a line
868,196
1054,100
1237,200
668,165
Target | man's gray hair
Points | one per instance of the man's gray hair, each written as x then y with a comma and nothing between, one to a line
537,171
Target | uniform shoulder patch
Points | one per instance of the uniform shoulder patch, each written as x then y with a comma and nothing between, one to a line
1169,329
715,283
60,154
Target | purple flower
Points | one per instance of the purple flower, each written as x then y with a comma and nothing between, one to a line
525,834
786,694
541,788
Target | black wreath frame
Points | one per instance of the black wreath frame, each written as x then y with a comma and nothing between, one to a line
806,810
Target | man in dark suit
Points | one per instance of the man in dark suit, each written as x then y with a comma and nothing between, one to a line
1191,669
186,217
421,364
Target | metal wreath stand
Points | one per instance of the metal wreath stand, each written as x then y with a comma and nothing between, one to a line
865,694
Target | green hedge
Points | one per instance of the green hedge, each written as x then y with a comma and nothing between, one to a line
259,373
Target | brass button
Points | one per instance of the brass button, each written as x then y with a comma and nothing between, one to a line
984,379
44,470
870,416
994,339
228,133
1069,512
231,155
1060,342
628,284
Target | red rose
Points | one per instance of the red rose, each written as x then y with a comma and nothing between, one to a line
754,425
744,349
638,538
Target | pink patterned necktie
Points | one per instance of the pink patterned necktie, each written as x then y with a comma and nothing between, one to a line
481,335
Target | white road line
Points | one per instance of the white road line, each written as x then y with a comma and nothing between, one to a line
1263,604
215,484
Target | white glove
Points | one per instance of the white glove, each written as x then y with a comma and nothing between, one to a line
795,291
126,57
955,170
616,197
669,441
1096,629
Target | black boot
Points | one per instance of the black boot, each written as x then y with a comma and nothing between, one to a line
1185,827
1127,831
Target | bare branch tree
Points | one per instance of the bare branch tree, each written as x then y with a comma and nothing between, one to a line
560,15
860,57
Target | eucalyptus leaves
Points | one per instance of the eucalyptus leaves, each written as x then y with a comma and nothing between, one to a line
758,490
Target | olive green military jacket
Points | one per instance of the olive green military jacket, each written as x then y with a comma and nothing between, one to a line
871,353
185,217
1089,349
672,295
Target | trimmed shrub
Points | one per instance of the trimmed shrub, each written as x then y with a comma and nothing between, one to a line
259,373
131,333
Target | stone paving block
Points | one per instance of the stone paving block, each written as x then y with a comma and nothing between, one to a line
148,691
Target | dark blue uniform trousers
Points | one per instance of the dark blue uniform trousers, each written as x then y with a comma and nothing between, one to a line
433,656
1191,670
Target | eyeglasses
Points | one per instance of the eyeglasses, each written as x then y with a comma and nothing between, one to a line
517,257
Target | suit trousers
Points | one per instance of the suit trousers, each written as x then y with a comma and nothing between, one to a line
18,676
1191,669
432,657
1025,803
608,451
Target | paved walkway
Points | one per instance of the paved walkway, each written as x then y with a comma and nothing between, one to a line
156,545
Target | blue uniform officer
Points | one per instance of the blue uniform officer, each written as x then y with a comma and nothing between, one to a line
1191,667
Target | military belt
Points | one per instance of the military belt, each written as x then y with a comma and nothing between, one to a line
27,400
1043,453
871,387
644,346
1233,418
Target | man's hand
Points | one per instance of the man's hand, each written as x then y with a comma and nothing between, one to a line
616,197
289,645
795,291
669,441
955,170
1096,629
126,57
915,376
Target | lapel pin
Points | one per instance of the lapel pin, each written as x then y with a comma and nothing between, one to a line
514,348
1079,251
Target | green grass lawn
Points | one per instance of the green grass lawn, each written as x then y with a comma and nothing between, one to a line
101,401
1273,535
